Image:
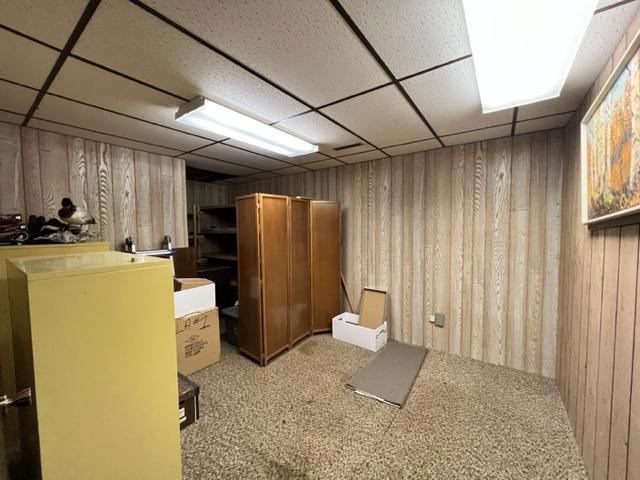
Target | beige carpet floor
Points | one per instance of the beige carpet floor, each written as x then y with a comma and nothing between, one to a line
294,419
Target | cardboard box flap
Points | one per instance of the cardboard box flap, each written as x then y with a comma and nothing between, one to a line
372,307
180,284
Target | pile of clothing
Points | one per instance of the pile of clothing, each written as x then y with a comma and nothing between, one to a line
12,229
55,231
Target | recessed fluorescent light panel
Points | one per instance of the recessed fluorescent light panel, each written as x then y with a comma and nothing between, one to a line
207,115
523,49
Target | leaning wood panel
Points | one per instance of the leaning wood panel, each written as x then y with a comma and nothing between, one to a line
299,278
626,308
249,291
325,264
274,268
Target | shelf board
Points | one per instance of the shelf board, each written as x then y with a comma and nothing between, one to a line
217,207
230,230
221,256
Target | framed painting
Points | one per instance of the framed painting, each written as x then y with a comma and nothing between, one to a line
610,144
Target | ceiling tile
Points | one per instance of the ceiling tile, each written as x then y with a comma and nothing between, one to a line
160,55
11,118
603,34
413,147
84,82
449,98
291,170
51,21
205,163
478,135
65,111
99,137
299,160
24,61
412,35
315,128
382,117
324,164
230,154
16,99
303,45
264,175
363,157
239,180
546,123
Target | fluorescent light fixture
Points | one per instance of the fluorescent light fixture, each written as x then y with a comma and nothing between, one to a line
207,115
523,49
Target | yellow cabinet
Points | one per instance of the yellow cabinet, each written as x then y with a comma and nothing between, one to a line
94,339
7,373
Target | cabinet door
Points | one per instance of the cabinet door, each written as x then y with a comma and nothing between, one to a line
274,266
249,295
299,286
325,264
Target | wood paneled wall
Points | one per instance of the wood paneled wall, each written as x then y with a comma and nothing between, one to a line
202,193
598,368
470,231
129,192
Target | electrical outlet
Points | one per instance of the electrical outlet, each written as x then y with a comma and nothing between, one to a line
439,320
432,318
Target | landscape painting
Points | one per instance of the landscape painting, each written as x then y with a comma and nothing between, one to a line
611,146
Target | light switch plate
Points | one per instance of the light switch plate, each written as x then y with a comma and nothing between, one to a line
439,320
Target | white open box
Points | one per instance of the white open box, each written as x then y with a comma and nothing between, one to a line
194,300
345,328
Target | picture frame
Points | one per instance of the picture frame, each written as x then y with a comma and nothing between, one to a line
609,160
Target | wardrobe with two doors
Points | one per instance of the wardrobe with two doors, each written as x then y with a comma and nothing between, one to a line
288,271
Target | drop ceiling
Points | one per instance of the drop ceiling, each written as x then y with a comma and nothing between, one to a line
364,79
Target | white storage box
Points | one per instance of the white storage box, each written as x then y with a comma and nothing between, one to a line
194,300
346,330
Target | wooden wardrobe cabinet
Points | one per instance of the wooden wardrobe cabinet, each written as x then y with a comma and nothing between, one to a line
288,271
325,263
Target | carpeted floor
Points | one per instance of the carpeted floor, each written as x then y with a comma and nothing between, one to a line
295,419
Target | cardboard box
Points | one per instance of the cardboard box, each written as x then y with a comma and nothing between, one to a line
194,298
188,401
197,340
180,284
369,338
